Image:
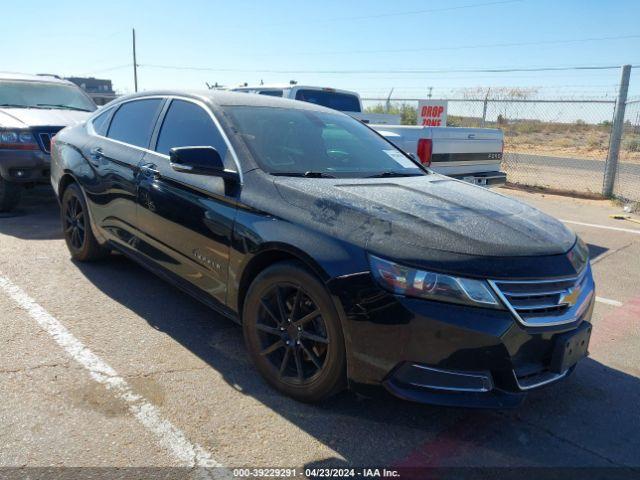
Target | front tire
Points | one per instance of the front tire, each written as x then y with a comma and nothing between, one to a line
10,194
293,333
76,227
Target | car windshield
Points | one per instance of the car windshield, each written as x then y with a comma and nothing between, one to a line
342,102
309,143
43,95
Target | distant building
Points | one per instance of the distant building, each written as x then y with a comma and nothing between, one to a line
101,90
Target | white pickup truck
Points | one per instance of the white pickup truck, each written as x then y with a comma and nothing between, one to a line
342,100
470,154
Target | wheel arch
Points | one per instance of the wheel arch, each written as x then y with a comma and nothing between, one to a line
278,252
66,180
271,254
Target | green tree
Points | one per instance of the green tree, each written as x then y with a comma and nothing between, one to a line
408,113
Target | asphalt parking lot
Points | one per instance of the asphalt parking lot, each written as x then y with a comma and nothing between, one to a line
105,365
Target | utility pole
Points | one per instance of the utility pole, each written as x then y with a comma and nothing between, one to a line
611,167
135,62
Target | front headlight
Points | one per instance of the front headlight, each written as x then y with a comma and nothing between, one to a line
17,139
411,282
9,137
579,255
26,137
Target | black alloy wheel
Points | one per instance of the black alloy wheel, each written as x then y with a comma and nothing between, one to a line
293,333
74,223
76,227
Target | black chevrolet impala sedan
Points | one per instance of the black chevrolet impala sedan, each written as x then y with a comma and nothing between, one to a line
346,262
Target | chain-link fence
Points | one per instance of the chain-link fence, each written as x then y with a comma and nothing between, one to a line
555,144
627,185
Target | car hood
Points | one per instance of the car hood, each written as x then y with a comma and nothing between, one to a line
39,117
412,214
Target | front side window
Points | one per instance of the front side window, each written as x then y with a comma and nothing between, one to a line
189,125
342,102
44,95
133,122
299,142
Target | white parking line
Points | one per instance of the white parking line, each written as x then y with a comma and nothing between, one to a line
608,301
606,227
170,436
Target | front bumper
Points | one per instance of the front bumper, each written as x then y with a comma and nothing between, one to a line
25,166
486,389
484,179
446,354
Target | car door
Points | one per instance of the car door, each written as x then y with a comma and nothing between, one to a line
114,152
187,219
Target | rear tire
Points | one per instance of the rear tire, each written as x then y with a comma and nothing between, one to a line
293,333
10,194
76,227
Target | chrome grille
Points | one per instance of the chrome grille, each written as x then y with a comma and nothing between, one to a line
549,301
44,135
45,141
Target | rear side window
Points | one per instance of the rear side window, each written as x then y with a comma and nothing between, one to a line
189,125
337,101
271,93
133,122
101,123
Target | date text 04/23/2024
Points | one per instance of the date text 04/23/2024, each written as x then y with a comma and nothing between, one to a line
315,472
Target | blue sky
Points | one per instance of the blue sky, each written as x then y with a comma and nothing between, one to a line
245,39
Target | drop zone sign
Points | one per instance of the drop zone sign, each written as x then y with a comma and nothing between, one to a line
432,113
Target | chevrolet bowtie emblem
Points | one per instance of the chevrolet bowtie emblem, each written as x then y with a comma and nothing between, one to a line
571,297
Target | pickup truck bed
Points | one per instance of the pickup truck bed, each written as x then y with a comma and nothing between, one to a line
470,154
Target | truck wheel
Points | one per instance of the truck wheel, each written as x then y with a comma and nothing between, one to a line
10,194
81,242
293,333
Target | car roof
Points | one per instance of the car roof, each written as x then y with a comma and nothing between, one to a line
285,86
263,87
223,98
25,77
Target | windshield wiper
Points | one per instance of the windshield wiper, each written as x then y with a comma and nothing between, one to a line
309,174
391,173
312,174
14,105
67,107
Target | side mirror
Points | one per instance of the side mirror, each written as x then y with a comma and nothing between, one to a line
200,161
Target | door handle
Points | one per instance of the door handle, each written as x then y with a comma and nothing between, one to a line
150,170
96,155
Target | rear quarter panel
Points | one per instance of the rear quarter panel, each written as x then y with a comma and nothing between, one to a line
67,157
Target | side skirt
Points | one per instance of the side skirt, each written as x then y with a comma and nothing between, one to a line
176,281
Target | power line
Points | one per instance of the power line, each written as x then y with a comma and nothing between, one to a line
475,46
593,88
109,69
398,72
490,77
396,14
